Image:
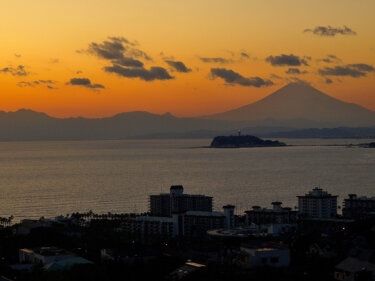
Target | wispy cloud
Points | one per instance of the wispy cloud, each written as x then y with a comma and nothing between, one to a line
329,31
220,60
47,83
15,71
352,70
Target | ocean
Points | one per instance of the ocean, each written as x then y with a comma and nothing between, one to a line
60,177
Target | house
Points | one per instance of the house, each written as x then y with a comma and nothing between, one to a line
43,255
354,269
272,255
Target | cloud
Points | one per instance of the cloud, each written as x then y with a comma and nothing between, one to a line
330,59
352,70
126,58
216,60
84,82
293,70
154,73
119,51
25,84
244,55
125,61
53,61
328,81
287,60
15,71
234,78
47,83
179,66
17,55
329,31
275,76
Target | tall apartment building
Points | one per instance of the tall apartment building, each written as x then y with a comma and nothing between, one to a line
318,204
355,207
165,204
187,224
276,215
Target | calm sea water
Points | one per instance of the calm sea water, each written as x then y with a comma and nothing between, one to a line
52,178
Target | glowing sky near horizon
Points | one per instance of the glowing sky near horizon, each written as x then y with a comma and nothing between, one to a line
232,53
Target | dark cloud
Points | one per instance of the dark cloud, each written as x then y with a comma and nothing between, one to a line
275,76
286,60
154,73
85,82
330,59
126,59
36,83
179,66
329,31
234,78
216,60
293,70
128,62
244,55
51,87
119,50
328,81
25,84
15,71
353,70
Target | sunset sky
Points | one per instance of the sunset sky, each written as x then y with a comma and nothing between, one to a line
98,58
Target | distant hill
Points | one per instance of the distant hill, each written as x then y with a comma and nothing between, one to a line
300,101
281,114
30,125
339,133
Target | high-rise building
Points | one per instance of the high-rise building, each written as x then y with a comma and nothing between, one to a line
165,204
276,215
356,207
318,204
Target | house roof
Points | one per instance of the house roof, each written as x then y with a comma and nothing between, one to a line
355,265
66,264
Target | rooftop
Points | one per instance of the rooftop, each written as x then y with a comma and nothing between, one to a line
47,251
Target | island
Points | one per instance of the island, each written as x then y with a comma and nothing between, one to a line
368,145
243,141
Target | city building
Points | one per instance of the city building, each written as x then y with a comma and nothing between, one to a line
165,204
43,255
275,221
357,207
317,204
186,224
276,215
273,255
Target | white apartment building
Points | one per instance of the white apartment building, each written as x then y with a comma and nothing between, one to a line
318,204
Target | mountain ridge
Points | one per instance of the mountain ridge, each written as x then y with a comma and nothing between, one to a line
300,100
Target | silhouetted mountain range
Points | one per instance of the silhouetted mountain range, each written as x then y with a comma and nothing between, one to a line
295,106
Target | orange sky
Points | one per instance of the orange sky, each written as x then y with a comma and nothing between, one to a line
43,37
